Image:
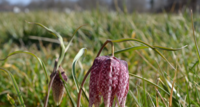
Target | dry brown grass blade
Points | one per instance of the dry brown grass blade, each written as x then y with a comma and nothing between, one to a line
161,97
157,104
158,94
171,94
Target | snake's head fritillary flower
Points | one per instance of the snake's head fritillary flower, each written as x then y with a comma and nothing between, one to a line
109,79
58,86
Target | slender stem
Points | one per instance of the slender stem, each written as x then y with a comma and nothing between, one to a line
107,41
53,75
83,82
113,49
80,89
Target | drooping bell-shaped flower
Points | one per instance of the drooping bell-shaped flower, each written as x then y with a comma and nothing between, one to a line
58,86
109,79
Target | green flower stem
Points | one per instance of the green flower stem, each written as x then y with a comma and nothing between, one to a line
107,41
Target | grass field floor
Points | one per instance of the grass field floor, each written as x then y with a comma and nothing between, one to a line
166,30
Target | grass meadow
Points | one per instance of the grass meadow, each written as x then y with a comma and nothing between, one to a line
153,80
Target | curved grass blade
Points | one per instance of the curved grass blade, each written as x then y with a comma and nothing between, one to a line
131,49
169,49
80,53
164,58
144,47
20,98
52,32
144,79
152,47
149,82
29,53
197,62
59,38
194,37
67,47
130,39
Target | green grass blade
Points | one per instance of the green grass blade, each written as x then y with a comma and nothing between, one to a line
131,93
169,49
164,58
29,53
52,32
80,53
131,49
144,79
144,47
194,37
59,38
70,97
129,39
20,98
67,47
150,99
197,62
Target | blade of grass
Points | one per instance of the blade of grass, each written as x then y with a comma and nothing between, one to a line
144,79
81,52
157,104
134,98
170,99
197,62
78,55
70,97
152,47
174,100
130,39
144,94
150,99
20,98
169,49
162,99
130,49
29,53
62,53
67,47
194,37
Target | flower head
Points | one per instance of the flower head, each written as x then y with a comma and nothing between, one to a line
58,86
109,78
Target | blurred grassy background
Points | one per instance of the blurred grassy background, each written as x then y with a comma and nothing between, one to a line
167,30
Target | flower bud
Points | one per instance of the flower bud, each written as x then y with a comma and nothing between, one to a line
58,86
